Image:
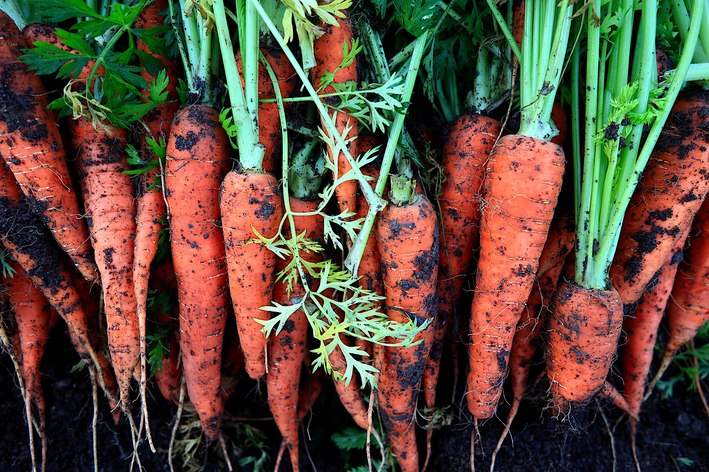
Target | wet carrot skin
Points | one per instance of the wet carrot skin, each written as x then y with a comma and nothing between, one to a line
197,162
521,188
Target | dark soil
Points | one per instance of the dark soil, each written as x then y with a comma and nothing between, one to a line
673,433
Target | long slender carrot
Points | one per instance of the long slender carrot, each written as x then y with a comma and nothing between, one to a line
688,307
34,152
32,311
250,201
150,203
641,332
287,349
470,140
517,212
268,117
328,51
407,237
110,207
670,192
197,162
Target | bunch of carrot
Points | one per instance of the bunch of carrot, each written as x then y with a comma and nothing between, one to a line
454,249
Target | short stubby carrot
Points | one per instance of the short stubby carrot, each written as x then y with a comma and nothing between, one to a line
521,188
584,327
110,209
34,152
407,237
470,140
250,203
269,123
671,190
197,162
329,56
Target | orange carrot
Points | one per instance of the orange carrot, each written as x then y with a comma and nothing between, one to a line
268,118
328,55
250,201
670,192
407,237
34,152
32,315
287,349
197,162
470,141
641,331
110,207
150,204
688,307
521,187
584,327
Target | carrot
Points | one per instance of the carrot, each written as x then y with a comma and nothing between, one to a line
671,190
470,141
108,197
197,162
169,376
560,243
287,348
688,307
34,152
584,328
641,332
32,313
407,237
522,184
150,204
30,243
268,117
328,51
249,201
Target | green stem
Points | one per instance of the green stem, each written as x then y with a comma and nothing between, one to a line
608,244
307,174
402,191
355,255
505,29
251,152
374,201
14,11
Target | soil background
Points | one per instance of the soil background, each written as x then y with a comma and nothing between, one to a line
673,433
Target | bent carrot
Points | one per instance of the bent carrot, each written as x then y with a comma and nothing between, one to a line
522,184
250,200
407,237
197,162
659,214
33,150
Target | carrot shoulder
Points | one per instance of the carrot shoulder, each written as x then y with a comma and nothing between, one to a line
33,150
407,237
522,183
197,161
